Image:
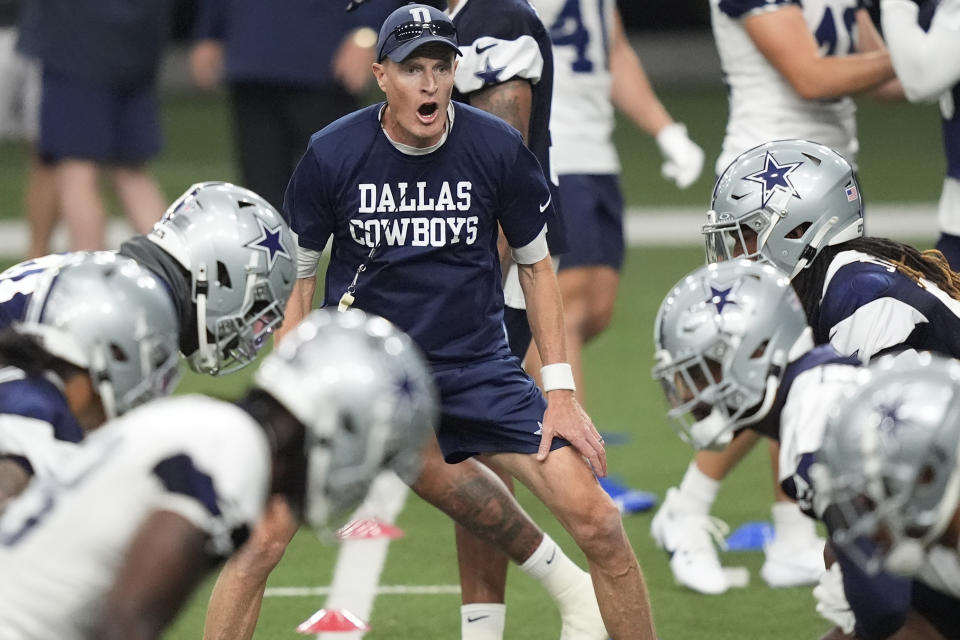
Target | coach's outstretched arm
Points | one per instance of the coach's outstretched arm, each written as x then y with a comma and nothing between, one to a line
564,417
298,305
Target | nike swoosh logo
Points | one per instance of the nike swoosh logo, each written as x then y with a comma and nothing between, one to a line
482,49
552,556
469,619
546,204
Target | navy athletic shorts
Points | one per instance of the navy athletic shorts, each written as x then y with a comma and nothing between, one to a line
593,213
491,406
107,124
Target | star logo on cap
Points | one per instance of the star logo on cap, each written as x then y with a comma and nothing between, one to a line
775,177
270,241
890,421
721,298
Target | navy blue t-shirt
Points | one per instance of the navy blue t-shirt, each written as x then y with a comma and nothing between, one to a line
497,38
431,221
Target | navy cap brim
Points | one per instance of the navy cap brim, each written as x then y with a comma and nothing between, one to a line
403,52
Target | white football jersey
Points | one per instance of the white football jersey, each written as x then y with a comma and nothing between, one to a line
804,417
581,122
763,105
63,539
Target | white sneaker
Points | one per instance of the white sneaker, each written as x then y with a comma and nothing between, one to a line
691,540
793,562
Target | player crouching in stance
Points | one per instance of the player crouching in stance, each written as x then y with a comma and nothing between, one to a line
887,477
112,544
734,351
224,256
98,338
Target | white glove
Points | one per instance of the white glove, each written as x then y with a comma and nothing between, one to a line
682,157
831,602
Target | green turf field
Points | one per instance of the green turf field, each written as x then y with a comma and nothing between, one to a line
622,398
901,153
901,160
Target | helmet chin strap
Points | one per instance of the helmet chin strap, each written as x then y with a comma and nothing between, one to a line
712,433
98,375
205,358
814,244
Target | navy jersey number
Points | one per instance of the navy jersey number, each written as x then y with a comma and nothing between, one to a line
827,34
568,31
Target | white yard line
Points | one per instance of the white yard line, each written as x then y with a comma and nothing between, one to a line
381,590
677,226
356,577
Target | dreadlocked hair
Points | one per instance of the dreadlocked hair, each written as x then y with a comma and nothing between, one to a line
27,354
929,265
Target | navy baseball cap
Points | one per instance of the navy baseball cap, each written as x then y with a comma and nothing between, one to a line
412,26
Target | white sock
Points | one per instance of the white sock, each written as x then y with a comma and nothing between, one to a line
698,491
569,586
789,523
483,621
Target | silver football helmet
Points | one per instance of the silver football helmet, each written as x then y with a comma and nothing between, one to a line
364,393
889,465
241,258
722,338
106,314
781,203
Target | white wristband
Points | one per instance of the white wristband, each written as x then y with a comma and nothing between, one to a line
558,375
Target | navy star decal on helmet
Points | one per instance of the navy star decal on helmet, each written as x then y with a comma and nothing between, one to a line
241,258
781,203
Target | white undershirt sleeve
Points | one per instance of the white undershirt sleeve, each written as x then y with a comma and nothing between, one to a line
307,261
532,252
927,63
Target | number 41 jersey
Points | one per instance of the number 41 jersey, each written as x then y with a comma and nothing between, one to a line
763,105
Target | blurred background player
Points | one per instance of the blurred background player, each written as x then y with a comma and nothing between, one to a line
154,500
19,120
596,70
99,109
790,68
291,68
98,338
889,478
224,255
927,61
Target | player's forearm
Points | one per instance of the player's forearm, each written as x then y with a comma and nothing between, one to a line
510,101
544,309
834,77
631,91
784,39
298,306
13,480
927,63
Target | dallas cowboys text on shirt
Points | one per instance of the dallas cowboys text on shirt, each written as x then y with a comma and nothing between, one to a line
417,231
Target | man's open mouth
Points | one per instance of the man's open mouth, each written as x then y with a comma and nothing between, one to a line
428,112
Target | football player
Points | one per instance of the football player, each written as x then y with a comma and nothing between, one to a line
226,258
791,67
155,499
98,338
734,352
888,471
928,66
797,205
595,70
